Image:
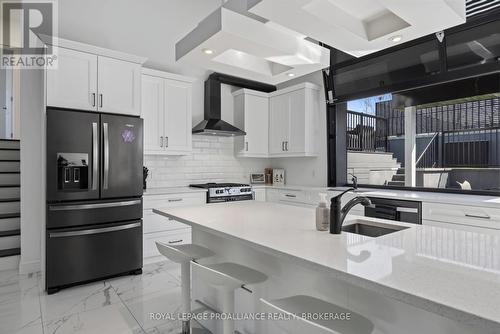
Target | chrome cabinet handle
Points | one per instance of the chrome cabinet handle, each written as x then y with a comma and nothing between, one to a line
408,210
290,195
283,146
100,99
286,146
175,200
175,241
93,99
161,141
93,231
106,156
477,216
95,156
166,141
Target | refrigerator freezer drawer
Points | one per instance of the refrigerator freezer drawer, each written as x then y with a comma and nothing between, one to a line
88,213
83,254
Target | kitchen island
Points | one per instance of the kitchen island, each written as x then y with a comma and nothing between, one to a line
419,280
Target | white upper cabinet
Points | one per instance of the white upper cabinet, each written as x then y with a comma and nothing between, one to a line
95,79
178,114
74,83
119,84
293,122
279,123
167,112
252,115
152,113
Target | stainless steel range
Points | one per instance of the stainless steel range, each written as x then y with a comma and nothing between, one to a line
226,192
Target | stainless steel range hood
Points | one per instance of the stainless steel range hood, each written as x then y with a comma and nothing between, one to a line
213,125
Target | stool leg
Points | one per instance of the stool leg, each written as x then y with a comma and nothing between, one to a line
228,309
186,294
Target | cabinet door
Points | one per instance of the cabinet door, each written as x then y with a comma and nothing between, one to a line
256,125
279,120
74,83
177,116
152,111
295,141
119,84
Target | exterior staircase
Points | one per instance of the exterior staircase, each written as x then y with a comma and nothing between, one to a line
398,179
362,164
10,232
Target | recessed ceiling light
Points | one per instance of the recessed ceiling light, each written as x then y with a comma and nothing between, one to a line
208,51
396,39
291,74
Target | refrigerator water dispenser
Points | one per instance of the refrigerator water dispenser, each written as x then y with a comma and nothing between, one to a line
72,171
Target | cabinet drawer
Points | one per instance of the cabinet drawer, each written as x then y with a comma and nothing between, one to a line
292,196
174,200
156,223
460,227
177,237
459,214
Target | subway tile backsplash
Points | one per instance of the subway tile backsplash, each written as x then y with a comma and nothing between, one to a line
212,160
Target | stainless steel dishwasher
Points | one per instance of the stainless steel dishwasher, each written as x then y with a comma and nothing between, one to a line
395,209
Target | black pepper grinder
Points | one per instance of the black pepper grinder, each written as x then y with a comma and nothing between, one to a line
145,173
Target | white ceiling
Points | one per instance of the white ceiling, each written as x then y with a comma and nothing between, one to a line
148,28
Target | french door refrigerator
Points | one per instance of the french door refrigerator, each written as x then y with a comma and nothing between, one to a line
94,196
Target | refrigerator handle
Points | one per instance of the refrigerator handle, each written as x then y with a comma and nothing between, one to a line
95,155
94,231
106,155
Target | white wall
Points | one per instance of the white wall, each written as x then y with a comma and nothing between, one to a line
32,169
212,160
308,171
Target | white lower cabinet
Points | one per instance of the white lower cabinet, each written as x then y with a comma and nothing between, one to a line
175,237
162,229
453,214
259,194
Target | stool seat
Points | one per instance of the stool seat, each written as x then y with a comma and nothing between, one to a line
183,253
301,305
228,275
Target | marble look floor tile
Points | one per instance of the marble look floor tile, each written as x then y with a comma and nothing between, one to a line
168,301
115,319
155,278
171,327
77,299
18,287
19,301
34,328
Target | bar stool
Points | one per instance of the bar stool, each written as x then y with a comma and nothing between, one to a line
300,306
184,254
227,277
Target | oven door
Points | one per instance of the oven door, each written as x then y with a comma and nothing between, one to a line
76,255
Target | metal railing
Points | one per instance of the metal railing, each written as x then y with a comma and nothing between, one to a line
459,116
429,158
471,148
366,132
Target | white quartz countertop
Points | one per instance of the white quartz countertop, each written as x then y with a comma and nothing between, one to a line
452,273
172,190
421,196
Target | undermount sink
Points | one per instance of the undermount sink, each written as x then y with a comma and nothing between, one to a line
372,229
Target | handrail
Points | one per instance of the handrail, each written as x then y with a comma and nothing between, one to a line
427,147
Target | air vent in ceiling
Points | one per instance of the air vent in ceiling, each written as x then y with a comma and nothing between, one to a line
474,7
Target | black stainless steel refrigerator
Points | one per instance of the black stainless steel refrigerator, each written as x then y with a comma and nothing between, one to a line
94,196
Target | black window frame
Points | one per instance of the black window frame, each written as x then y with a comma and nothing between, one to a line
469,80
